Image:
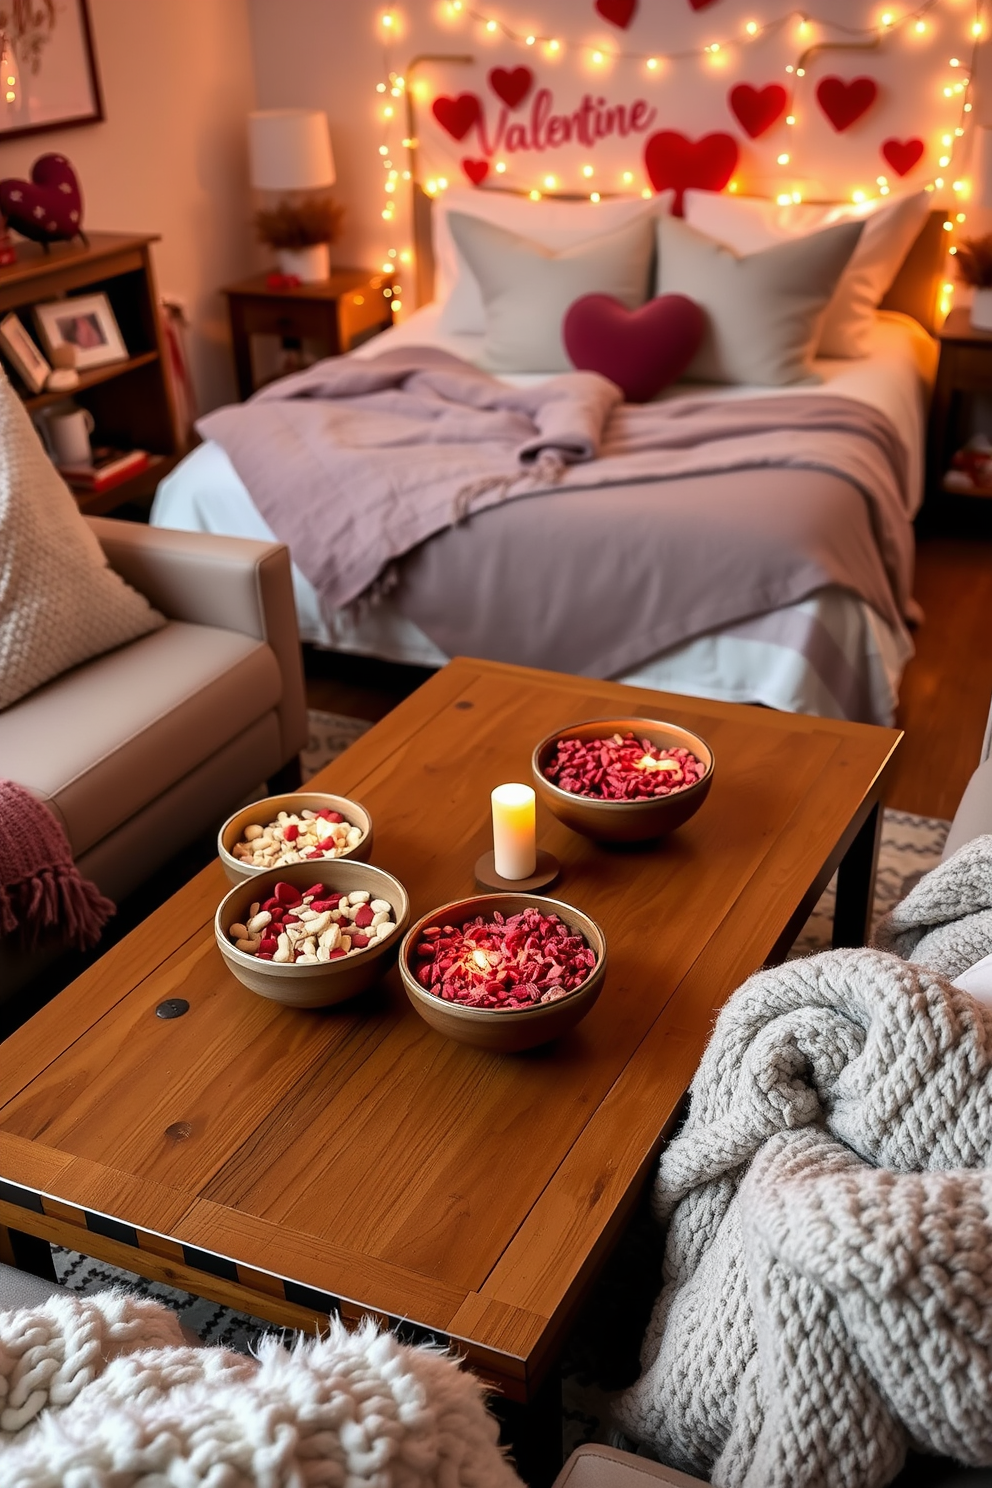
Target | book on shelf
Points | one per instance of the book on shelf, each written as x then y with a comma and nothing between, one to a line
107,467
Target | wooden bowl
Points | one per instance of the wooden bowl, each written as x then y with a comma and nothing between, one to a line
624,821
330,981
265,811
509,1031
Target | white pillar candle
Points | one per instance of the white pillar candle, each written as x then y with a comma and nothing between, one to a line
514,831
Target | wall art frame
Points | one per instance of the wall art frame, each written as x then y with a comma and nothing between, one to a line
84,322
47,48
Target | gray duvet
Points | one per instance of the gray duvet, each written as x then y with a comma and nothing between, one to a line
554,526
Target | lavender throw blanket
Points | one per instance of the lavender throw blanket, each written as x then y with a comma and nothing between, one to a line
355,462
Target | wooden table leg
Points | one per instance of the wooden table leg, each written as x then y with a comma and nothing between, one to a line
27,1253
856,883
533,1432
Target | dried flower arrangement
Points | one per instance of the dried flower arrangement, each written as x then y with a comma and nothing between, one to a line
299,223
974,261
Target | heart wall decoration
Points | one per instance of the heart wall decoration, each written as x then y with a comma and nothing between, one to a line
511,84
47,208
757,109
674,162
457,115
902,155
476,170
641,350
843,102
617,12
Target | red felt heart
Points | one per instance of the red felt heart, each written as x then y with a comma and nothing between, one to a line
457,115
617,12
511,84
758,108
842,102
642,350
671,160
902,155
49,206
476,170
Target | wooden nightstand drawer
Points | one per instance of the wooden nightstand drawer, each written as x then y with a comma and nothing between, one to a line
363,310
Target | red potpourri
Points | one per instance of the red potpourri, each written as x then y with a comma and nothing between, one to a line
621,768
503,963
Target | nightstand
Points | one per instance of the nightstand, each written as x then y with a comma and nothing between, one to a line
965,367
335,314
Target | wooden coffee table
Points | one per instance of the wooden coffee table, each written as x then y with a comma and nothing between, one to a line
292,1163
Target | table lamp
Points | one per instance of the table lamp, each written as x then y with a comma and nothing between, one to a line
289,152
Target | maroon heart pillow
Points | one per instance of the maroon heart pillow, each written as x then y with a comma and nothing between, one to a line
641,350
49,206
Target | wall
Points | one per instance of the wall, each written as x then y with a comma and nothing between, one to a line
311,53
170,157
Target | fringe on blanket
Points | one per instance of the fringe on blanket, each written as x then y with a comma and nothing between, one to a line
43,897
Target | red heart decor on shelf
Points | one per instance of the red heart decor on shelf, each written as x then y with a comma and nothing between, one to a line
476,170
641,350
49,206
617,12
758,108
511,84
457,115
700,4
673,161
902,155
844,103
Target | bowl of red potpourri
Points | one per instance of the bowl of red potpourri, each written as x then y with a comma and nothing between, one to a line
623,779
504,972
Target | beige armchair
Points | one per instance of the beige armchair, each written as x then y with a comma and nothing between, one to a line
142,750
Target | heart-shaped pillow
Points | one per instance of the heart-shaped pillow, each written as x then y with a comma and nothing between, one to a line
640,350
49,206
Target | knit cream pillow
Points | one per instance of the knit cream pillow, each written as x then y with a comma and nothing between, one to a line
59,602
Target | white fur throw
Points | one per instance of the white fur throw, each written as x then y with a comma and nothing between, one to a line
828,1274
102,1392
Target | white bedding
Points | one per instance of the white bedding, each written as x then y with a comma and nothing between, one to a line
831,655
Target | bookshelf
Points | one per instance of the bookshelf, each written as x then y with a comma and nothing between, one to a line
132,401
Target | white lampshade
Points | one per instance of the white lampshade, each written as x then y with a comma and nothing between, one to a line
289,150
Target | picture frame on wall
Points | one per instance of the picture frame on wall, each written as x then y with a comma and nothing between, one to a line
22,353
87,324
48,52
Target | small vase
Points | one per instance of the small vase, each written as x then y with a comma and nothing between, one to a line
310,265
981,310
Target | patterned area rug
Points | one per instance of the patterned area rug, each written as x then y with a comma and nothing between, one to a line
603,1351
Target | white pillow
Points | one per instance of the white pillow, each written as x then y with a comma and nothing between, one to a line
553,224
527,288
763,310
747,224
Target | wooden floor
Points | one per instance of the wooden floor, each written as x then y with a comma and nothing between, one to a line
945,693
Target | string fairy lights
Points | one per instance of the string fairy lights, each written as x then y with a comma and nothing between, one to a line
813,37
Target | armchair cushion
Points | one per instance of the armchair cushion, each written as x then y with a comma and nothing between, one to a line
60,603
101,741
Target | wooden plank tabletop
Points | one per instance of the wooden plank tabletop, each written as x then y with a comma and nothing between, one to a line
356,1152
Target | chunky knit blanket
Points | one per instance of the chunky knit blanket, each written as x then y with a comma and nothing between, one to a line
43,897
102,1392
827,1297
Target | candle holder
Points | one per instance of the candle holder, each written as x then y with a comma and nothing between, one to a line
546,870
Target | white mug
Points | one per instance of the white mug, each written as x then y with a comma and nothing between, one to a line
69,436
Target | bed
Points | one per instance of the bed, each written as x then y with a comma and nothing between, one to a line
827,650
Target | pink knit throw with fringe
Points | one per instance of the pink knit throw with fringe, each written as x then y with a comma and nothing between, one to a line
42,894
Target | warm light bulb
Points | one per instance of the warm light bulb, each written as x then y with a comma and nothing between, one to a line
790,118
646,192
790,68
550,182
554,46
958,186
732,186
804,28
967,108
587,171
858,196
534,195
800,72
945,139
960,217
397,304
881,180
948,92
383,149
920,27
531,40
976,28
751,28
10,96
405,257
938,181
954,62
959,132
888,18
652,64
491,26
785,199
597,57
500,167
380,87
392,252
387,267
627,178
944,160
884,190
387,112
948,226
388,20
783,160
952,249
594,196
714,46
797,196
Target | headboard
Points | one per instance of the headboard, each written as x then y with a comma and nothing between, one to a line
916,290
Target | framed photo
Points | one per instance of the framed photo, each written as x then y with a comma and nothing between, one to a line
87,324
48,68
22,353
